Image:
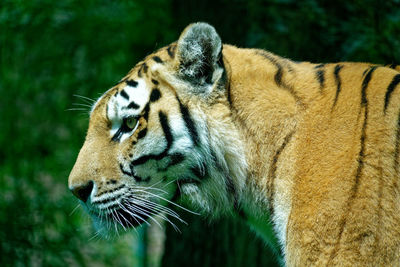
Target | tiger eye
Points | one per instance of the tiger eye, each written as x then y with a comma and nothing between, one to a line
131,122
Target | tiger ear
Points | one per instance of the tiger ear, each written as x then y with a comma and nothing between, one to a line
199,51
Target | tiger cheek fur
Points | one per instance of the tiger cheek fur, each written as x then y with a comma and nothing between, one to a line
312,149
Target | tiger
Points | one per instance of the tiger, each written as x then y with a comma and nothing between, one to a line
312,149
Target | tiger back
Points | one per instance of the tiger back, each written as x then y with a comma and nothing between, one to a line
313,147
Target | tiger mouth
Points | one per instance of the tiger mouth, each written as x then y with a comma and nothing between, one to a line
128,209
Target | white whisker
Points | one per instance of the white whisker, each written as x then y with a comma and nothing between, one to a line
150,187
81,105
135,215
158,207
96,235
115,221
141,211
160,212
85,98
74,209
143,189
76,109
176,205
170,182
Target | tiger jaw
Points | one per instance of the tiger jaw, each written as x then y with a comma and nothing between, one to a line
124,207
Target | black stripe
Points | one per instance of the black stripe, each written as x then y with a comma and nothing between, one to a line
131,174
279,72
124,171
175,159
231,190
146,180
338,83
190,125
240,212
107,200
177,194
365,71
110,191
171,51
142,133
360,160
321,78
397,147
155,95
199,172
278,76
167,130
146,112
124,94
143,68
272,171
132,83
392,66
365,83
230,186
320,75
364,103
389,91
169,138
117,135
133,105
157,59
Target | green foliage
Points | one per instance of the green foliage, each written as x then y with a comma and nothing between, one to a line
226,242
312,30
53,50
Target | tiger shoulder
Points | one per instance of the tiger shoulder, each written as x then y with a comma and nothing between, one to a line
312,148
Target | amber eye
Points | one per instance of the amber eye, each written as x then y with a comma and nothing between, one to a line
131,122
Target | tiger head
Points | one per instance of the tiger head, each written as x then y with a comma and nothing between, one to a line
163,133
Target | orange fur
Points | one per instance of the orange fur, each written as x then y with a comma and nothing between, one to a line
332,220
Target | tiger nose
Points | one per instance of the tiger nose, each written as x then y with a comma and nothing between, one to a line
83,191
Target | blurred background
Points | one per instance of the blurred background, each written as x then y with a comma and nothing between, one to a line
51,51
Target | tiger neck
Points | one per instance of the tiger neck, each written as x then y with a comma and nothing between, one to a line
265,112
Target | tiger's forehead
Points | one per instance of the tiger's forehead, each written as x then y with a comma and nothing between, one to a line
130,96
129,99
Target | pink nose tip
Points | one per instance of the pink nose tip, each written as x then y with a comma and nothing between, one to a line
83,191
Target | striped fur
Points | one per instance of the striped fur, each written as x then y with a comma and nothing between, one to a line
314,146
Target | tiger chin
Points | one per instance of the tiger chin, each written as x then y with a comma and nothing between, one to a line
311,148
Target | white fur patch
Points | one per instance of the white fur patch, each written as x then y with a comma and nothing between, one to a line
118,106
